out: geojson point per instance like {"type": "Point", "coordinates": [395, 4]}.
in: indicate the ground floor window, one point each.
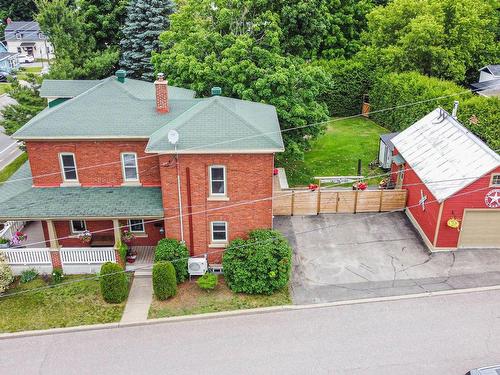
{"type": "Point", "coordinates": [78, 226]}
{"type": "Point", "coordinates": [219, 231]}
{"type": "Point", "coordinates": [136, 225]}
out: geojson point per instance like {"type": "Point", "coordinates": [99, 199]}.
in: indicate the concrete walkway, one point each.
{"type": "Point", "coordinates": [139, 300]}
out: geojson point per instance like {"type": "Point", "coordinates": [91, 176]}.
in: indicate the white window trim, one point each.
{"type": "Point", "coordinates": [212, 194]}
{"type": "Point", "coordinates": [214, 241]}
{"type": "Point", "coordinates": [61, 154]}
{"type": "Point", "coordinates": [137, 231]}
{"type": "Point", "coordinates": [125, 179]}
{"type": "Point", "coordinates": [491, 180]}
{"type": "Point", "coordinates": [73, 231]}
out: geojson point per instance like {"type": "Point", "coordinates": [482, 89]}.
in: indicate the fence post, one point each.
{"type": "Point", "coordinates": [319, 201]}
{"type": "Point", "coordinates": [356, 200]}
{"type": "Point", "coordinates": [293, 202]}
{"type": "Point", "coordinates": [381, 198]}
{"type": "Point", "coordinates": [55, 256]}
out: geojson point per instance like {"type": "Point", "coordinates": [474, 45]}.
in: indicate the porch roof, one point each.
{"type": "Point", "coordinates": [19, 200]}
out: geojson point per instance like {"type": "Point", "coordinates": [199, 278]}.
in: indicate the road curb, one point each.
{"type": "Point", "coordinates": [235, 313]}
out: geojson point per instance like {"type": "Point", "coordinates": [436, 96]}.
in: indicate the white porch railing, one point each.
{"type": "Point", "coordinates": [10, 228]}
{"type": "Point", "coordinates": [87, 255]}
{"type": "Point", "coordinates": [31, 256]}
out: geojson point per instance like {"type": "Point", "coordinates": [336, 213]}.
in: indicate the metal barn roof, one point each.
{"type": "Point", "coordinates": [444, 154]}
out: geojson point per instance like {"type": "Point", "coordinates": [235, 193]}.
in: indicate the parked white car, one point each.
{"type": "Point", "coordinates": [25, 58]}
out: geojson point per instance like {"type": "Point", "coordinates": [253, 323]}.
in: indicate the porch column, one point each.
{"type": "Point", "coordinates": [54, 245]}
{"type": "Point", "coordinates": [118, 241]}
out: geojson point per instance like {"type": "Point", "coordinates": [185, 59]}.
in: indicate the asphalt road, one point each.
{"type": "Point", "coordinates": [8, 149]}
{"type": "Point", "coordinates": [433, 335]}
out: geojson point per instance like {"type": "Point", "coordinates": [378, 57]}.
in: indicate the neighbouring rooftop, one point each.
{"type": "Point", "coordinates": [445, 155]}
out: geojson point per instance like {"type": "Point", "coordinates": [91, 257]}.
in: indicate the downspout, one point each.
{"type": "Point", "coordinates": [179, 194]}
{"type": "Point", "coordinates": [190, 211]}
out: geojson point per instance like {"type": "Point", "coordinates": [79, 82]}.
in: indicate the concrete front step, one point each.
{"type": "Point", "coordinates": [143, 273]}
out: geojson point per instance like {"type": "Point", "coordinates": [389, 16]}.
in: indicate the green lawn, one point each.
{"type": "Point", "coordinates": [61, 306]}
{"type": "Point", "coordinates": [190, 299]}
{"type": "Point", "coordinates": [336, 152]}
{"type": "Point", "coordinates": [22, 74]}
{"type": "Point", "coordinates": [12, 167]}
{"type": "Point", "coordinates": [4, 87]}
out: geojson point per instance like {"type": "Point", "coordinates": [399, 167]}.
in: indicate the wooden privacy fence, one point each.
{"type": "Point", "coordinates": [86, 255]}
{"type": "Point", "coordinates": [306, 202]}
{"type": "Point", "coordinates": [30, 256]}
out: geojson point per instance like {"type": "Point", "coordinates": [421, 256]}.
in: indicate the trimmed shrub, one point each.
{"type": "Point", "coordinates": [57, 275]}
{"type": "Point", "coordinates": [122, 250]}
{"type": "Point", "coordinates": [164, 280]}
{"type": "Point", "coordinates": [28, 275]}
{"type": "Point", "coordinates": [173, 251]}
{"type": "Point", "coordinates": [259, 265]}
{"type": "Point", "coordinates": [6, 276]}
{"type": "Point", "coordinates": [114, 283]}
{"type": "Point", "coordinates": [208, 281]}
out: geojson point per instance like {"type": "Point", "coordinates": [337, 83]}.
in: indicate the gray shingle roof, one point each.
{"type": "Point", "coordinates": [19, 200]}
{"type": "Point", "coordinates": [494, 69]}
{"type": "Point", "coordinates": [5, 55]}
{"type": "Point", "coordinates": [111, 109]}
{"type": "Point", "coordinates": [30, 30]}
{"type": "Point", "coordinates": [55, 88]}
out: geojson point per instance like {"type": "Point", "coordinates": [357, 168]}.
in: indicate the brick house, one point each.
{"type": "Point", "coordinates": [450, 174]}
{"type": "Point", "coordinates": [100, 159]}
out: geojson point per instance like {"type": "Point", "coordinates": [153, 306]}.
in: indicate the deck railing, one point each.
{"type": "Point", "coordinates": [10, 228]}
{"type": "Point", "coordinates": [31, 256]}
{"type": "Point", "coordinates": [86, 255]}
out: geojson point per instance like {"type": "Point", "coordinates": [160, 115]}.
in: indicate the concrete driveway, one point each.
{"type": "Point", "coordinates": [350, 256]}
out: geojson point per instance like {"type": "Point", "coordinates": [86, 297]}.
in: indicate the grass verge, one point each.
{"type": "Point", "coordinates": [190, 299]}
{"type": "Point", "coordinates": [62, 306]}
{"type": "Point", "coordinates": [336, 152]}
{"type": "Point", "coordinates": [4, 87]}
{"type": "Point", "coordinates": [12, 167]}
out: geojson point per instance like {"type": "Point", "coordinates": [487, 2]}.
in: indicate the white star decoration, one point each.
{"type": "Point", "coordinates": [492, 199]}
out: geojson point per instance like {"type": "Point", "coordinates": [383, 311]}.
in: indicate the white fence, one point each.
{"type": "Point", "coordinates": [23, 259]}
{"type": "Point", "coordinates": [74, 260]}
{"type": "Point", "coordinates": [85, 260]}
{"type": "Point", "coordinates": [10, 228]}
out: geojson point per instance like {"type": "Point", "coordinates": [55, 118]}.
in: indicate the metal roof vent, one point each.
{"type": "Point", "coordinates": [216, 91]}
{"type": "Point", "coordinates": [120, 75]}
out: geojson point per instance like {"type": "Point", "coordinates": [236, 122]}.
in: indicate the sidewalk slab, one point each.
{"type": "Point", "coordinates": [139, 300]}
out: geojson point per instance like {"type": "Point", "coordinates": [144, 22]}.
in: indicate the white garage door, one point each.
{"type": "Point", "coordinates": [480, 229]}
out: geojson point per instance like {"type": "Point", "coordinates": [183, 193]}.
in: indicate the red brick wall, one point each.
{"type": "Point", "coordinates": [455, 206]}
{"type": "Point", "coordinates": [249, 177]}
{"type": "Point", "coordinates": [102, 227]}
{"type": "Point", "coordinates": [427, 218]}
{"type": "Point", "coordinates": [44, 160]}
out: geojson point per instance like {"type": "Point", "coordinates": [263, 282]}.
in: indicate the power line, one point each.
{"type": "Point", "coordinates": [235, 247]}
{"type": "Point", "coordinates": [249, 137]}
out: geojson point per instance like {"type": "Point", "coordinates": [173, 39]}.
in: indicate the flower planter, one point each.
{"type": "Point", "coordinates": [131, 258]}
{"type": "Point", "coordinates": [4, 245]}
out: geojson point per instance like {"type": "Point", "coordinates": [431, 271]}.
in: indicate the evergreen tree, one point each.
{"type": "Point", "coordinates": [146, 20]}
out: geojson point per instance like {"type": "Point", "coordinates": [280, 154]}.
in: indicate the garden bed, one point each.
{"type": "Point", "coordinates": [77, 303]}
{"type": "Point", "coordinates": [336, 152]}
{"type": "Point", "coordinates": [190, 299]}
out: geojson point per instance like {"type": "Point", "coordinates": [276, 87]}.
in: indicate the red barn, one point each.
{"type": "Point", "coordinates": [453, 183]}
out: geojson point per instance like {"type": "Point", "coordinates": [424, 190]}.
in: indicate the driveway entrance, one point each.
{"type": "Point", "coordinates": [350, 256]}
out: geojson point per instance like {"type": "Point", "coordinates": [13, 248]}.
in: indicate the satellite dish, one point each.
{"type": "Point", "coordinates": [173, 136]}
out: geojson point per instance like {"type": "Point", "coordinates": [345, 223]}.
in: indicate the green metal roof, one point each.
{"type": "Point", "coordinates": [111, 109]}
{"type": "Point", "coordinates": [58, 88]}
{"type": "Point", "coordinates": [220, 123]}
{"type": "Point", "coordinates": [19, 200]}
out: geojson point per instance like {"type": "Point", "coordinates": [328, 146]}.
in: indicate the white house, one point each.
{"type": "Point", "coordinates": [489, 81]}
{"type": "Point", "coordinates": [26, 37]}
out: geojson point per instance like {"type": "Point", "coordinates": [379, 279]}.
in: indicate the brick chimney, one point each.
{"type": "Point", "coordinates": [161, 87]}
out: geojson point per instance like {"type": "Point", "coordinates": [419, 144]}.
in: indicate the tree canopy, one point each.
{"type": "Point", "coordinates": [448, 39]}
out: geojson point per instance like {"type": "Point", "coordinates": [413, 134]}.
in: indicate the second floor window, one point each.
{"type": "Point", "coordinates": [217, 180]}
{"type": "Point", "coordinates": [129, 164]}
{"type": "Point", "coordinates": [68, 166]}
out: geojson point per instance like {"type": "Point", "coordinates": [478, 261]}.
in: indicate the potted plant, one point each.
{"type": "Point", "coordinates": [131, 255]}
{"type": "Point", "coordinates": [127, 235]}
{"type": "Point", "coordinates": [4, 243]}
{"type": "Point", "coordinates": [85, 236]}
{"type": "Point", "coordinates": [17, 238]}
{"type": "Point", "coordinates": [359, 186]}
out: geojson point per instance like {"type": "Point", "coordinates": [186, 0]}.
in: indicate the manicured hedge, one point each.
{"type": "Point", "coordinates": [114, 283]}
{"type": "Point", "coordinates": [164, 280]}
{"type": "Point", "coordinates": [175, 252]}
{"type": "Point", "coordinates": [259, 265]}
{"type": "Point", "coordinates": [395, 89]}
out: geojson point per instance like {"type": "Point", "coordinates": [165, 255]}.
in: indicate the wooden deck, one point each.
{"type": "Point", "coordinates": [145, 255]}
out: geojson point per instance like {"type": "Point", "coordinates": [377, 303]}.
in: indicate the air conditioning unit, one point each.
{"type": "Point", "coordinates": [197, 266]}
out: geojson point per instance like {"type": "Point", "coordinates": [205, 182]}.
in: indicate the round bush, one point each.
{"type": "Point", "coordinates": [164, 280]}
{"type": "Point", "coordinates": [114, 283]}
{"type": "Point", "coordinates": [6, 276]}
{"type": "Point", "coordinates": [208, 281]}
{"type": "Point", "coordinates": [259, 265]}
{"type": "Point", "coordinates": [172, 250]}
